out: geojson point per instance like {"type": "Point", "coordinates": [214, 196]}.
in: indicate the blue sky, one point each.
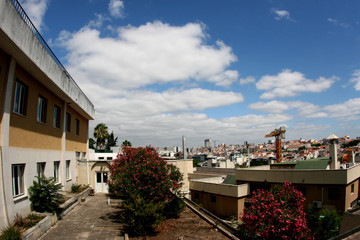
{"type": "Point", "coordinates": [231, 71]}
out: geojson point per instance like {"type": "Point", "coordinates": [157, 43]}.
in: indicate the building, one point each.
{"type": "Point", "coordinates": [44, 114]}
{"type": "Point", "coordinates": [207, 143]}
{"type": "Point", "coordinates": [323, 181]}
{"type": "Point", "coordinates": [94, 170]}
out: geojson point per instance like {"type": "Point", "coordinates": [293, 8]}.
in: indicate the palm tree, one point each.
{"type": "Point", "coordinates": [101, 134]}
{"type": "Point", "coordinates": [126, 143]}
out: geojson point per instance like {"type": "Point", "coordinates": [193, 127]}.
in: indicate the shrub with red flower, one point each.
{"type": "Point", "coordinates": [275, 214]}
{"type": "Point", "coordinates": [140, 171]}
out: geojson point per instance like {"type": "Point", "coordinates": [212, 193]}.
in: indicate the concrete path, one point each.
{"type": "Point", "coordinates": [92, 219]}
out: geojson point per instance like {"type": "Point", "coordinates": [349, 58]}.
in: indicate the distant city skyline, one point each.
{"type": "Point", "coordinates": [229, 71]}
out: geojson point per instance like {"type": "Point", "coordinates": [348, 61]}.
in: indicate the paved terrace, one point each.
{"type": "Point", "coordinates": [92, 219]}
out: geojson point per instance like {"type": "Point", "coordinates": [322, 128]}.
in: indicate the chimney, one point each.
{"type": "Point", "coordinates": [353, 157]}
{"type": "Point", "coordinates": [333, 139]}
{"type": "Point", "coordinates": [184, 147]}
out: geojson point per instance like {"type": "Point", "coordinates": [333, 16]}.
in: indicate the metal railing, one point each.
{"type": "Point", "coordinates": [37, 34]}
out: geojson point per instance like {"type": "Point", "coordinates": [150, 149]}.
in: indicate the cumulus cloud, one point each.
{"type": "Point", "coordinates": [356, 79]}
{"type": "Point", "coordinates": [289, 84]}
{"type": "Point", "coordinates": [35, 9]}
{"type": "Point", "coordinates": [152, 53]}
{"type": "Point", "coordinates": [346, 111]}
{"type": "Point", "coordinates": [247, 80]}
{"type": "Point", "coordinates": [281, 14]}
{"type": "Point", "coordinates": [116, 8]}
{"type": "Point", "coordinates": [338, 23]}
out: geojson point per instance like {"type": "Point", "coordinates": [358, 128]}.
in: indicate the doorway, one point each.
{"type": "Point", "coordinates": [101, 179]}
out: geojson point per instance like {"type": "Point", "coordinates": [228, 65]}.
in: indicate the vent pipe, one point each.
{"type": "Point", "coordinates": [333, 140]}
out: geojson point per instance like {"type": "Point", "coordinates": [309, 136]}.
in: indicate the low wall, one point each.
{"type": "Point", "coordinates": [45, 224]}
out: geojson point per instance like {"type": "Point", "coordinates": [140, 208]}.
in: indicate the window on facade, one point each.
{"type": "Point", "coordinates": [18, 179]}
{"type": "Point", "coordinates": [57, 171]}
{"type": "Point", "coordinates": [352, 188]}
{"type": "Point", "coordinates": [68, 122]}
{"type": "Point", "coordinates": [57, 116]}
{"type": "Point", "coordinates": [77, 155]}
{"type": "Point", "coordinates": [77, 126]}
{"type": "Point", "coordinates": [68, 169]}
{"type": "Point", "coordinates": [196, 196]}
{"type": "Point", "coordinates": [20, 98]}
{"type": "Point", "coordinates": [40, 169]}
{"type": "Point", "coordinates": [100, 158]}
{"type": "Point", "coordinates": [333, 194]}
{"type": "Point", "coordinates": [83, 155]}
{"type": "Point", "coordinates": [109, 158]}
{"type": "Point", "coordinates": [213, 199]}
{"type": "Point", "coordinates": [41, 111]}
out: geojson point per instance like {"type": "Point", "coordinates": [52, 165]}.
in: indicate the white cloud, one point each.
{"type": "Point", "coordinates": [289, 84]}
{"type": "Point", "coordinates": [271, 107]}
{"type": "Point", "coordinates": [247, 80]}
{"type": "Point", "coordinates": [281, 14]}
{"type": "Point", "coordinates": [116, 8]}
{"type": "Point", "coordinates": [356, 79]}
{"type": "Point", "coordinates": [338, 23]}
{"type": "Point", "coordinates": [346, 111]}
{"type": "Point", "coordinates": [35, 9]}
{"type": "Point", "coordinates": [152, 53]}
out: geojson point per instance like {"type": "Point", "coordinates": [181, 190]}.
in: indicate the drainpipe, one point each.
{"type": "Point", "coordinates": [87, 171]}
{"type": "Point", "coordinates": [5, 132]}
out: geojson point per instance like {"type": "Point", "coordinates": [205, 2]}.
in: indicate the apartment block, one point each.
{"type": "Point", "coordinates": [44, 114]}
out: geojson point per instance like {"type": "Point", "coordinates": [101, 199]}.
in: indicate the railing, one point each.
{"type": "Point", "coordinates": [32, 27]}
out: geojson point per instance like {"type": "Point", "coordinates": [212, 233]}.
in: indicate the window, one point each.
{"type": "Point", "coordinates": [77, 155]}
{"type": "Point", "coordinates": [68, 169]}
{"type": "Point", "coordinates": [20, 98]}
{"type": "Point", "coordinates": [41, 113]}
{"type": "Point", "coordinates": [352, 188]}
{"type": "Point", "coordinates": [77, 126]}
{"type": "Point", "coordinates": [109, 158]}
{"type": "Point", "coordinates": [213, 199]}
{"type": "Point", "coordinates": [83, 155]}
{"type": "Point", "coordinates": [100, 158]}
{"type": "Point", "coordinates": [68, 122]}
{"type": "Point", "coordinates": [56, 171]}
{"type": "Point", "coordinates": [40, 169]}
{"type": "Point", "coordinates": [57, 115]}
{"type": "Point", "coordinates": [18, 179]}
{"type": "Point", "coordinates": [333, 194]}
{"type": "Point", "coordinates": [196, 196]}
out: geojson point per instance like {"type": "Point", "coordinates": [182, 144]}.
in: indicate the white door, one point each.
{"type": "Point", "coordinates": [101, 179]}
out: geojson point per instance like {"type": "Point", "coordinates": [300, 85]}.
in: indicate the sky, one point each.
{"type": "Point", "coordinates": [230, 71]}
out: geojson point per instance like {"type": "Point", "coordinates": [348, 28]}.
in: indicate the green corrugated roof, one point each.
{"type": "Point", "coordinates": [230, 179]}
{"type": "Point", "coordinates": [318, 163]}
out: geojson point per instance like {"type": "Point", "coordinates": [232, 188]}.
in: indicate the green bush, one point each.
{"type": "Point", "coordinates": [10, 233]}
{"type": "Point", "coordinates": [174, 207]}
{"type": "Point", "coordinates": [142, 216]}
{"type": "Point", "coordinates": [45, 196]}
{"type": "Point", "coordinates": [75, 187]}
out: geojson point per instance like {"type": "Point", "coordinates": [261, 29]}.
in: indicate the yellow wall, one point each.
{"type": "Point", "coordinates": [26, 131]}
{"type": "Point", "coordinates": [350, 197]}
{"type": "Point", "coordinates": [75, 142]}
{"type": "Point", "coordinates": [3, 70]}
{"type": "Point", "coordinates": [224, 207]}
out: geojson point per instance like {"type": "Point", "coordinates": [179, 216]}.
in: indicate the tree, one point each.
{"type": "Point", "coordinates": [101, 134]}
{"type": "Point", "coordinates": [45, 195]}
{"type": "Point", "coordinates": [91, 143]}
{"type": "Point", "coordinates": [126, 143]}
{"type": "Point", "coordinates": [325, 223]}
{"type": "Point", "coordinates": [148, 185]}
{"type": "Point", "coordinates": [140, 171]}
{"type": "Point", "coordinates": [275, 214]}
{"type": "Point", "coordinates": [111, 141]}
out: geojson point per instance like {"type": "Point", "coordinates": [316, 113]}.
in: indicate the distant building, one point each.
{"type": "Point", "coordinates": [207, 143]}
{"type": "Point", "coordinates": [44, 114]}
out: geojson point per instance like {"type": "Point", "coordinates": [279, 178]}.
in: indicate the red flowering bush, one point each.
{"type": "Point", "coordinates": [140, 171]}
{"type": "Point", "coordinates": [148, 184]}
{"type": "Point", "coordinates": [275, 214]}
